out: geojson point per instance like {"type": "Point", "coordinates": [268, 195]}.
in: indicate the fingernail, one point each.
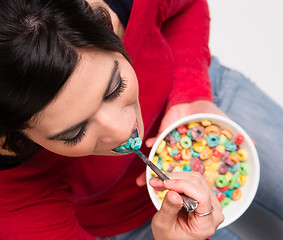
{"type": "Point", "coordinates": [153, 180]}
{"type": "Point", "coordinates": [169, 181]}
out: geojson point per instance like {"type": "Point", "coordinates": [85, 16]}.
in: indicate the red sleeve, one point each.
{"type": "Point", "coordinates": [187, 32]}
{"type": "Point", "coordinates": [36, 205]}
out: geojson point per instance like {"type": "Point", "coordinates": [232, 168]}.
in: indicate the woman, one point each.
{"type": "Point", "coordinates": [70, 94]}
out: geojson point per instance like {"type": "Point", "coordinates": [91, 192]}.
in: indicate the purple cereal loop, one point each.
{"type": "Point", "coordinates": [170, 140]}
{"type": "Point", "coordinates": [229, 162]}
{"type": "Point", "coordinates": [202, 168]}
{"type": "Point", "coordinates": [223, 168]}
{"type": "Point", "coordinates": [198, 132]}
{"type": "Point", "coordinates": [225, 155]}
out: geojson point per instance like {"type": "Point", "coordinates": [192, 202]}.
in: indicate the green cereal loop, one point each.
{"type": "Point", "coordinates": [176, 135]}
{"type": "Point", "coordinates": [221, 181]}
{"type": "Point", "coordinates": [173, 152]}
{"type": "Point", "coordinates": [222, 139]}
{"type": "Point", "coordinates": [177, 169]}
{"type": "Point", "coordinates": [186, 142]}
{"type": "Point", "coordinates": [234, 180]}
{"type": "Point", "coordinates": [244, 169]}
{"type": "Point", "coordinates": [225, 202]}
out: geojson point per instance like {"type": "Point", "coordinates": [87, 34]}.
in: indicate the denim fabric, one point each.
{"type": "Point", "coordinates": [142, 233]}
{"type": "Point", "coordinates": [262, 119]}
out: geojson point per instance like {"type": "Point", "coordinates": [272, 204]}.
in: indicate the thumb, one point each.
{"type": "Point", "coordinates": [170, 208]}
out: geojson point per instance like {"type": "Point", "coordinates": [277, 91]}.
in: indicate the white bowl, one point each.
{"type": "Point", "coordinates": [236, 208]}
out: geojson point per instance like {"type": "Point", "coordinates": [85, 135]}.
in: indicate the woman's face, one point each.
{"type": "Point", "coordinates": [96, 111]}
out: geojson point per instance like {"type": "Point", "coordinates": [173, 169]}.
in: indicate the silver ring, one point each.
{"type": "Point", "coordinates": [205, 214]}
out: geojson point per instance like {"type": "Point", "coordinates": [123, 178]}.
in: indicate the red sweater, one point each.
{"type": "Point", "coordinates": [55, 197]}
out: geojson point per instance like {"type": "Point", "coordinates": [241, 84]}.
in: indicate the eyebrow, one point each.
{"type": "Point", "coordinates": [78, 126]}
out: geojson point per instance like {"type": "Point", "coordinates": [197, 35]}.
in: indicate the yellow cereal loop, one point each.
{"type": "Point", "coordinates": [165, 166]}
{"type": "Point", "coordinates": [221, 149]}
{"type": "Point", "coordinates": [242, 179]}
{"type": "Point", "coordinates": [155, 160]}
{"type": "Point", "coordinates": [206, 123]}
{"type": "Point", "coordinates": [207, 164]}
{"type": "Point", "coordinates": [168, 149]}
{"type": "Point", "coordinates": [184, 162]}
{"type": "Point", "coordinates": [228, 176]}
{"type": "Point", "coordinates": [153, 174]}
{"type": "Point", "coordinates": [163, 153]}
{"type": "Point", "coordinates": [243, 154]}
{"type": "Point", "coordinates": [161, 147]}
{"type": "Point", "coordinates": [198, 147]}
{"type": "Point", "coordinates": [192, 125]}
{"type": "Point", "coordinates": [202, 141]}
{"type": "Point", "coordinates": [162, 194]}
{"type": "Point", "coordinates": [208, 173]}
{"type": "Point", "coordinates": [167, 158]}
{"type": "Point", "coordinates": [214, 166]}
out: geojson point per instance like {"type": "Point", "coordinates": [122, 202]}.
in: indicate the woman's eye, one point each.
{"type": "Point", "coordinates": [115, 89]}
{"type": "Point", "coordinates": [77, 139]}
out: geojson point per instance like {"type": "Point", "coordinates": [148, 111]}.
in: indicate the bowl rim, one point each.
{"type": "Point", "coordinates": [210, 116]}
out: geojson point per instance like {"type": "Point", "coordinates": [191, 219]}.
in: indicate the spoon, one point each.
{"type": "Point", "coordinates": [132, 146]}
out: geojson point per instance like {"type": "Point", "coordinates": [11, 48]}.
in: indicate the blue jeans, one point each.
{"type": "Point", "coordinates": [262, 119]}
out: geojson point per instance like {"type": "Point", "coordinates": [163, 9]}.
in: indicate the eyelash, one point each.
{"type": "Point", "coordinates": [78, 138]}
{"type": "Point", "coordinates": [117, 92]}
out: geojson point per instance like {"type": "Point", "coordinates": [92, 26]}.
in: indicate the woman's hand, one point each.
{"type": "Point", "coordinates": [172, 222]}
{"type": "Point", "coordinates": [179, 111]}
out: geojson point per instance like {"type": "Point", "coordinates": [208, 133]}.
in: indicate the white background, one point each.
{"type": "Point", "coordinates": [247, 35]}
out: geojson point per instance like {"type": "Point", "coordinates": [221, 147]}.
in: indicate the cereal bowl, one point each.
{"type": "Point", "coordinates": [248, 164]}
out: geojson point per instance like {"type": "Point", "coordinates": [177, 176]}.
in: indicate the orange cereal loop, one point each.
{"type": "Point", "coordinates": [227, 133]}
{"type": "Point", "coordinates": [234, 158]}
{"type": "Point", "coordinates": [211, 129]}
{"type": "Point", "coordinates": [186, 154]}
{"type": "Point", "coordinates": [192, 124]}
{"type": "Point", "coordinates": [237, 194]}
{"type": "Point", "coordinates": [206, 123]}
{"type": "Point", "coordinates": [207, 153]}
{"type": "Point", "coordinates": [179, 146]}
{"type": "Point", "coordinates": [215, 159]}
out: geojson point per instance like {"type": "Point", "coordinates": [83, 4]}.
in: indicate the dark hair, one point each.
{"type": "Point", "coordinates": [39, 43]}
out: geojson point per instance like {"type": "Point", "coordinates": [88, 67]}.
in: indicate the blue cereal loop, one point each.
{"type": "Point", "coordinates": [230, 146]}
{"type": "Point", "coordinates": [136, 144]}
{"type": "Point", "coordinates": [119, 148]}
{"type": "Point", "coordinates": [187, 168]}
{"type": "Point", "coordinates": [189, 134]}
{"type": "Point", "coordinates": [194, 154]}
{"type": "Point", "coordinates": [176, 135]}
{"type": "Point", "coordinates": [173, 152]}
{"type": "Point", "coordinates": [212, 140]}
